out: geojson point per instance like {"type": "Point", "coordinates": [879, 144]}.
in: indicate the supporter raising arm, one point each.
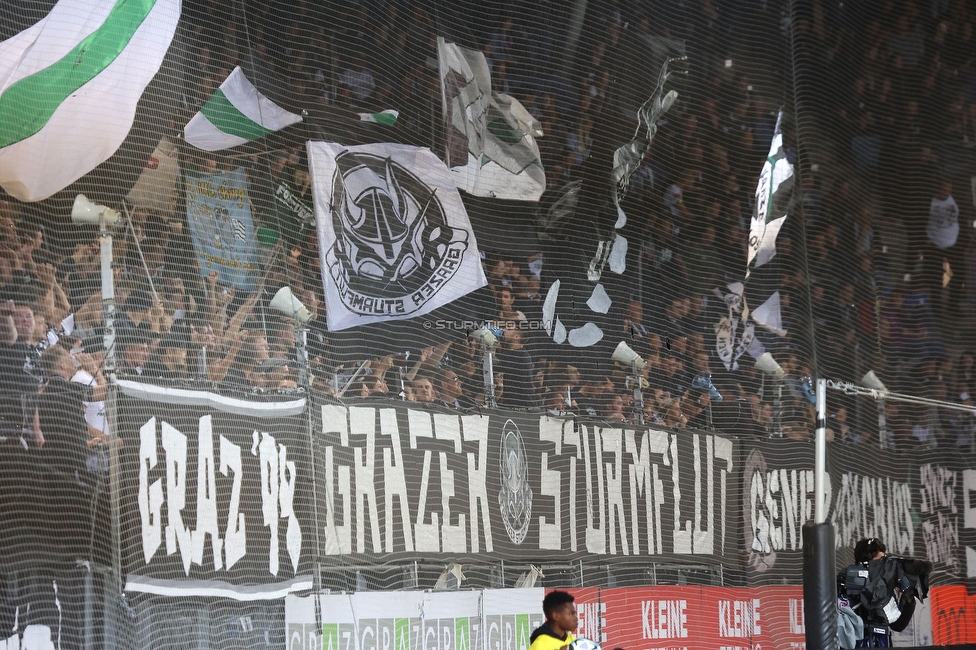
{"type": "Point", "coordinates": [217, 371]}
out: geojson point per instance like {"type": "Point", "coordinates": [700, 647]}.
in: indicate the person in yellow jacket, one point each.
{"type": "Point", "coordinates": [561, 621]}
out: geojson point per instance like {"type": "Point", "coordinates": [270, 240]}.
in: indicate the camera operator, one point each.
{"type": "Point", "coordinates": [882, 590]}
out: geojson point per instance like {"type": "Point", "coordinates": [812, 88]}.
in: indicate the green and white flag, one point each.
{"type": "Point", "coordinates": [234, 115]}
{"type": "Point", "coordinates": [386, 118]}
{"type": "Point", "coordinates": [69, 87]}
{"type": "Point", "coordinates": [772, 201]}
{"type": "Point", "coordinates": [491, 138]}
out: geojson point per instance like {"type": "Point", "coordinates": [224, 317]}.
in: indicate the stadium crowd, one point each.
{"type": "Point", "coordinates": [879, 90]}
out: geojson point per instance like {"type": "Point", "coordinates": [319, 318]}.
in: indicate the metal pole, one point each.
{"type": "Point", "coordinates": [820, 512]}
{"type": "Point", "coordinates": [883, 439]}
{"type": "Point", "coordinates": [114, 583]}
{"type": "Point", "coordinates": [108, 300]}
{"type": "Point", "coordinates": [777, 429]}
{"type": "Point", "coordinates": [301, 336]}
{"type": "Point", "coordinates": [89, 625]}
{"type": "Point", "coordinates": [135, 240]}
{"type": "Point", "coordinates": [638, 397]}
{"type": "Point", "coordinates": [489, 377]}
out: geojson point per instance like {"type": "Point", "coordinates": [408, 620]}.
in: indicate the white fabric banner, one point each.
{"type": "Point", "coordinates": [395, 239]}
{"type": "Point", "coordinates": [491, 138]}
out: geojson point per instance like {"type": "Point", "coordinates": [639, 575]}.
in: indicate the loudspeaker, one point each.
{"type": "Point", "coordinates": [486, 336]}
{"type": "Point", "coordinates": [870, 380]}
{"type": "Point", "coordinates": [289, 305]}
{"type": "Point", "coordinates": [84, 211]}
{"type": "Point", "coordinates": [767, 364]}
{"type": "Point", "coordinates": [623, 354]}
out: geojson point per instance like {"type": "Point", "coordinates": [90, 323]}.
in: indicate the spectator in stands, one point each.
{"type": "Point", "coordinates": [275, 373]}
{"type": "Point", "coordinates": [449, 390]}
{"type": "Point", "coordinates": [633, 324]}
{"type": "Point", "coordinates": [423, 390]}
{"type": "Point", "coordinates": [142, 312]}
{"type": "Point", "coordinates": [62, 413]}
{"type": "Point", "coordinates": [88, 373]}
{"type": "Point", "coordinates": [358, 78]}
{"type": "Point", "coordinates": [170, 361]}
{"type": "Point", "coordinates": [134, 351]}
{"type": "Point", "coordinates": [514, 362]}
{"type": "Point", "coordinates": [943, 256]}
{"type": "Point", "coordinates": [506, 302]}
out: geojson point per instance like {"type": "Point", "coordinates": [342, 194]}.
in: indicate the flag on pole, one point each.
{"type": "Point", "coordinates": [491, 138]}
{"type": "Point", "coordinates": [156, 187]}
{"type": "Point", "coordinates": [234, 115]}
{"type": "Point", "coordinates": [69, 87]}
{"type": "Point", "coordinates": [386, 118]}
{"type": "Point", "coordinates": [772, 201]}
{"type": "Point", "coordinates": [395, 241]}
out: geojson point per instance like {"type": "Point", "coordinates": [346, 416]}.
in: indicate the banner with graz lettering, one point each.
{"type": "Point", "coordinates": [919, 502]}
{"type": "Point", "coordinates": [396, 482]}
{"type": "Point", "coordinates": [216, 494]}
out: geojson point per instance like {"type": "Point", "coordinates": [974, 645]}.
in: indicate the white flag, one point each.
{"type": "Point", "coordinates": [69, 87]}
{"type": "Point", "coordinates": [769, 315]}
{"type": "Point", "coordinates": [395, 241]}
{"type": "Point", "coordinates": [491, 138]}
{"type": "Point", "coordinates": [156, 187]}
{"type": "Point", "coordinates": [234, 115]}
{"type": "Point", "coordinates": [772, 200]}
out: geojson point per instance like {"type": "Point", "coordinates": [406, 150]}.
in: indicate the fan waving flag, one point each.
{"type": "Point", "coordinates": [236, 114]}
{"type": "Point", "coordinates": [69, 87]}
{"type": "Point", "coordinates": [772, 201]}
{"type": "Point", "coordinates": [491, 138]}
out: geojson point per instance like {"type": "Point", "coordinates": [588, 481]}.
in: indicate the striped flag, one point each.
{"type": "Point", "coordinates": [69, 87]}
{"type": "Point", "coordinates": [234, 115]}
{"type": "Point", "coordinates": [386, 118]}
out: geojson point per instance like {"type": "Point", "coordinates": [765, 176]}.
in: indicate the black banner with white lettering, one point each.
{"type": "Point", "coordinates": [920, 503]}
{"type": "Point", "coordinates": [399, 482]}
{"type": "Point", "coordinates": [216, 494]}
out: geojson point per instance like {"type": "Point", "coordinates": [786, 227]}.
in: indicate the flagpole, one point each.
{"type": "Point", "coordinates": [128, 219]}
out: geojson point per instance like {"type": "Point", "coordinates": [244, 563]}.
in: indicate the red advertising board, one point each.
{"type": "Point", "coordinates": [716, 618]}
{"type": "Point", "coordinates": [953, 615]}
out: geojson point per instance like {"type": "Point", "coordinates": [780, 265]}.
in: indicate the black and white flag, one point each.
{"type": "Point", "coordinates": [772, 201]}
{"type": "Point", "coordinates": [395, 240]}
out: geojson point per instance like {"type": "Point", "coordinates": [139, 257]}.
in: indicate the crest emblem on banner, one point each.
{"type": "Point", "coordinates": [758, 529]}
{"type": "Point", "coordinates": [515, 496]}
{"type": "Point", "coordinates": [392, 236]}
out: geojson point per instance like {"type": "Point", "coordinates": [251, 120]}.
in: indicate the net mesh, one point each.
{"type": "Point", "coordinates": [318, 217]}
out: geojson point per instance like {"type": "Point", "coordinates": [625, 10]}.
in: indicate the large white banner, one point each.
{"type": "Point", "coordinates": [493, 619]}
{"type": "Point", "coordinates": [395, 240]}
